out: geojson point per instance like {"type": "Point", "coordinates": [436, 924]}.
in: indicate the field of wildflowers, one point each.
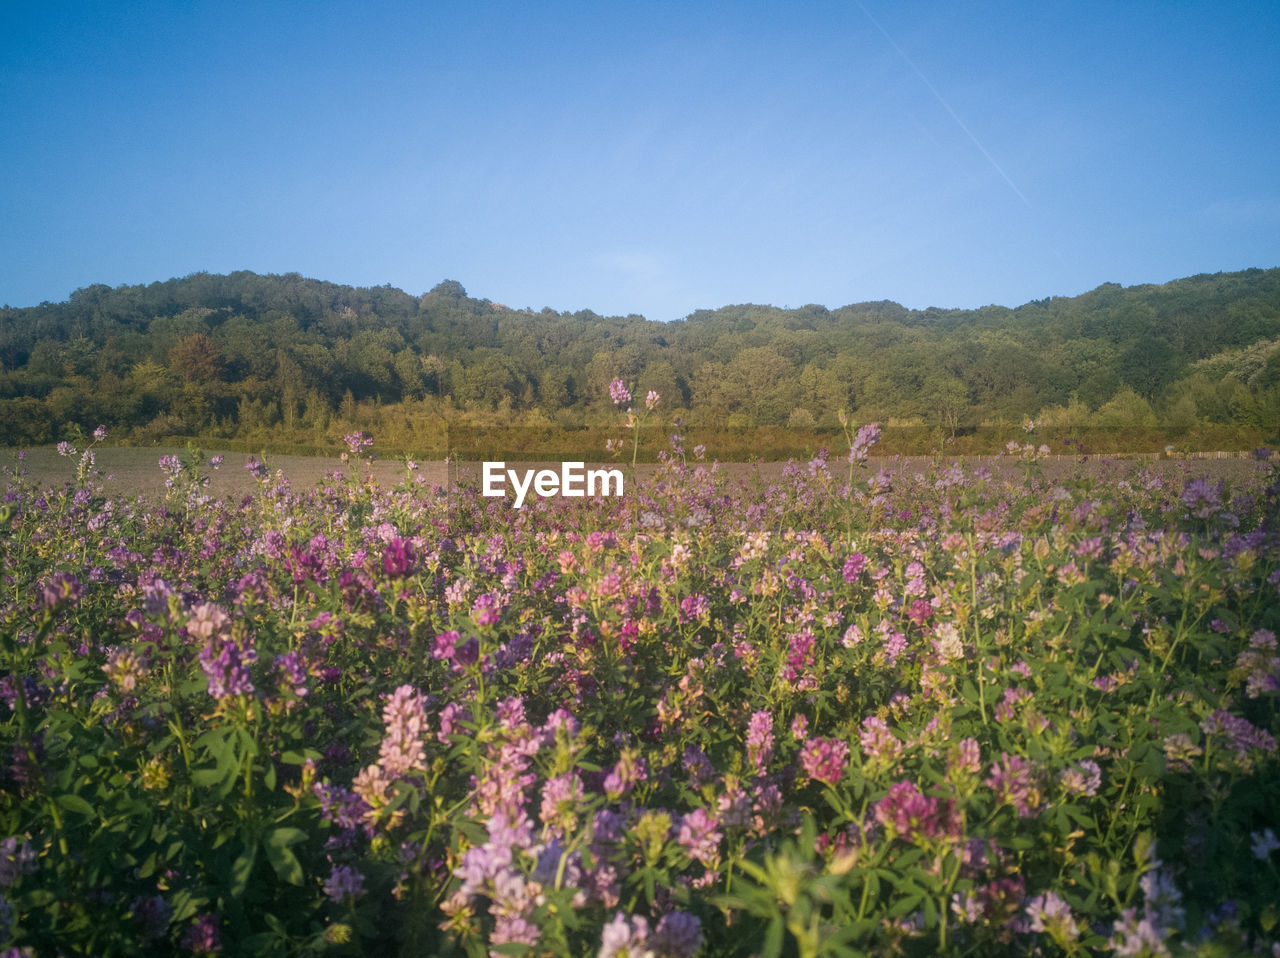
{"type": "Point", "coordinates": [842, 713]}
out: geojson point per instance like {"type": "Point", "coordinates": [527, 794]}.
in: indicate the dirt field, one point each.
{"type": "Point", "coordinates": [132, 471]}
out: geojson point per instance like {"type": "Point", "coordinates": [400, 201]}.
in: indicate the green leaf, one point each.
{"type": "Point", "coordinates": [40, 898]}
{"type": "Point", "coordinates": [242, 868]}
{"type": "Point", "coordinates": [511, 948]}
{"type": "Point", "coordinates": [74, 803]}
{"type": "Point", "coordinates": [282, 859]}
{"type": "Point", "coordinates": [208, 777]}
{"type": "Point", "coordinates": [286, 864]}
{"type": "Point", "coordinates": [285, 836]}
{"type": "Point", "coordinates": [773, 938]}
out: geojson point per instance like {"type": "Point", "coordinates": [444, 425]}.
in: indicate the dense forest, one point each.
{"type": "Point", "coordinates": [283, 360]}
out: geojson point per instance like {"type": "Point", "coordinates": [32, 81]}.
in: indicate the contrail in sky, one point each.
{"type": "Point", "coordinates": [946, 106]}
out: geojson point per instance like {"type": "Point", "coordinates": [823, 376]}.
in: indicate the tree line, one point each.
{"type": "Point", "coordinates": [285, 359]}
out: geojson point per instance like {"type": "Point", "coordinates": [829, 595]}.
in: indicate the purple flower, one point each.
{"type": "Point", "coordinates": [446, 645]}
{"type": "Point", "coordinates": [1201, 497]}
{"type": "Point", "coordinates": [1011, 780]}
{"type": "Point", "coordinates": [694, 608]}
{"type": "Point", "coordinates": [358, 442]}
{"type": "Point", "coordinates": [486, 610]}
{"type": "Point", "coordinates": [619, 392]}
{"type": "Point", "coordinates": [399, 558]}
{"type": "Point", "coordinates": [294, 672]}
{"type": "Point", "coordinates": [853, 567]}
{"type": "Point", "coordinates": [154, 914]}
{"type": "Point", "coordinates": [1240, 734]}
{"type": "Point", "coordinates": [630, 770]}
{"type": "Point", "coordinates": [100, 434]}
{"type": "Point", "coordinates": [678, 935]}
{"type": "Point", "coordinates": [1134, 936]}
{"type": "Point", "coordinates": [15, 860]}
{"type": "Point", "coordinates": [468, 653]}
{"type": "Point", "coordinates": [698, 766]}
{"type": "Point", "coordinates": [339, 805]}
{"type": "Point", "coordinates": [202, 937]}
{"type": "Point", "coordinates": [343, 883]}
{"type": "Point", "coordinates": [866, 437]}
{"type": "Point", "coordinates": [225, 661]}
{"type": "Point", "coordinates": [58, 590]}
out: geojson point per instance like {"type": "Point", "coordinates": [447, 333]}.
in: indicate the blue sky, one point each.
{"type": "Point", "coordinates": [650, 158]}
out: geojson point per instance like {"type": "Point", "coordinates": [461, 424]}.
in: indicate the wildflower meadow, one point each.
{"type": "Point", "coordinates": [849, 712]}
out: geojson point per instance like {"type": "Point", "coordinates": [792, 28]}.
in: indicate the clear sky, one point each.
{"type": "Point", "coordinates": [651, 157]}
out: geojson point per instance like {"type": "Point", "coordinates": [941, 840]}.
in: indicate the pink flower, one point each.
{"type": "Point", "coordinates": [405, 717]}
{"type": "Point", "coordinates": [913, 816]}
{"type": "Point", "coordinates": [760, 741]}
{"type": "Point", "coordinates": [823, 759]}
{"type": "Point", "coordinates": [700, 836]}
{"type": "Point", "coordinates": [878, 741]}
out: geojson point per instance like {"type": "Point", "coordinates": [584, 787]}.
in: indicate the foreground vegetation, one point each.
{"type": "Point", "coordinates": [838, 714]}
{"type": "Point", "coordinates": [286, 362]}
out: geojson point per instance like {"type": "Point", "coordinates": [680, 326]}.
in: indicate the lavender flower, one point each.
{"type": "Point", "coordinates": [1263, 844]}
{"type": "Point", "coordinates": [1083, 778]}
{"type": "Point", "coordinates": [226, 663]}
{"type": "Point", "coordinates": [625, 938]}
{"type": "Point", "coordinates": [619, 392]}
{"type": "Point", "coordinates": [343, 884]}
{"type": "Point", "coordinates": [1049, 913]}
{"type": "Point", "coordinates": [358, 442]}
{"type": "Point", "coordinates": [866, 437]}
{"type": "Point", "coordinates": [700, 836]}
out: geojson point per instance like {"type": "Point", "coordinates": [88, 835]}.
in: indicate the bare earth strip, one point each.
{"type": "Point", "coordinates": [135, 471]}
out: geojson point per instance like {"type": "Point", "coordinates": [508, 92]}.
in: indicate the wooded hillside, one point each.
{"type": "Point", "coordinates": [287, 359]}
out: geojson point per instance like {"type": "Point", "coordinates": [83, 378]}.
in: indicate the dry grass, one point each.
{"type": "Point", "coordinates": [128, 471]}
